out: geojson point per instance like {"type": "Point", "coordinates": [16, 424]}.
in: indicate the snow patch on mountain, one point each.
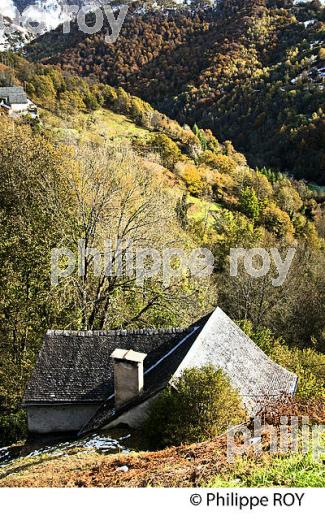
{"type": "Point", "coordinates": [40, 16]}
{"type": "Point", "coordinates": [49, 13]}
{"type": "Point", "coordinates": [13, 37]}
{"type": "Point", "coordinates": [21, 21]}
{"type": "Point", "coordinates": [8, 8]}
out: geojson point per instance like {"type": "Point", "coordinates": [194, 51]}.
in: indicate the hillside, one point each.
{"type": "Point", "coordinates": [99, 156]}
{"type": "Point", "coordinates": [252, 71]}
{"type": "Point", "coordinates": [88, 463]}
{"type": "Point", "coordinates": [198, 136]}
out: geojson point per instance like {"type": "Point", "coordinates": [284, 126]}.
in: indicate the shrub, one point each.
{"type": "Point", "coordinates": [71, 102]}
{"type": "Point", "coordinates": [289, 200]}
{"type": "Point", "coordinates": [199, 405]}
{"type": "Point", "coordinates": [261, 185]}
{"type": "Point", "coordinates": [321, 53]}
{"type": "Point", "coordinates": [42, 87]}
{"type": "Point", "coordinates": [306, 364]}
{"type": "Point", "coordinates": [168, 150]}
{"type": "Point", "coordinates": [277, 221]}
{"type": "Point", "coordinates": [193, 177]}
{"type": "Point", "coordinates": [13, 427]}
{"type": "Point", "coordinates": [222, 163]}
{"type": "Point", "coordinates": [249, 202]}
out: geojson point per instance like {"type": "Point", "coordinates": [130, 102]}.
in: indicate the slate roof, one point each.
{"type": "Point", "coordinates": [157, 374]}
{"type": "Point", "coordinates": [75, 367]}
{"type": "Point", "coordinates": [222, 343]}
{"type": "Point", "coordinates": [13, 95]}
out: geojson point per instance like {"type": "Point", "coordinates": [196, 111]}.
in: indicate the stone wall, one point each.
{"type": "Point", "coordinates": [59, 418]}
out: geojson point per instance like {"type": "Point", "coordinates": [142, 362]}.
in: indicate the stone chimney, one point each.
{"type": "Point", "coordinates": [128, 375]}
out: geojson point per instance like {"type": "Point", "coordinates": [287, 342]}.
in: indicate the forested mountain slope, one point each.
{"type": "Point", "coordinates": [99, 157]}
{"type": "Point", "coordinates": [251, 70]}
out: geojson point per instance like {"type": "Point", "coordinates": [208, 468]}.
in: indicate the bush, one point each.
{"type": "Point", "coordinates": [277, 221]}
{"type": "Point", "coordinates": [223, 164]}
{"type": "Point", "coordinates": [250, 204]}
{"type": "Point", "coordinates": [199, 405]}
{"type": "Point", "coordinates": [307, 364]}
{"type": "Point", "coordinates": [168, 150]}
{"type": "Point", "coordinates": [289, 200]}
{"type": "Point", "coordinates": [193, 177]}
{"type": "Point", "coordinates": [13, 427]}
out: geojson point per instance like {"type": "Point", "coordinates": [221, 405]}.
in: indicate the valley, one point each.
{"type": "Point", "coordinates": [250, 71]}
{"type": "Point", "coordinates": [201, 128]}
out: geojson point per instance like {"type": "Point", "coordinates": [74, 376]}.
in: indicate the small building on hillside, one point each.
{"type": "Point", "coordinates": [16, 103]}
{"type": "Point", "coordinates": [88, 380]}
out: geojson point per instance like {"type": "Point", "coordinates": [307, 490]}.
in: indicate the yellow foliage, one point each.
{"type": "Point", "coordinates": [277, 221]}
{"type": "Point", "coordinates": [260, 184]}
{"type": "Point", "coordinates": [194, 178]}
{"type": "Point", "coordinates": [289, 199]}
{"type": "Point", "coordinates": [321, 53]}
{"type": "Point", "coordinates": [71, 102]}
{"type": "Point", "coordinates": [219, 162]}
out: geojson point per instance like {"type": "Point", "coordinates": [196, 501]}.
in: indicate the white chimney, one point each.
{"type": "Point", "coordinates": [128, 375]}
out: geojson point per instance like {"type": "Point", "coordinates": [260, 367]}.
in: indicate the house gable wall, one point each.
{"type": "Point", "coordinates": [19, 107]}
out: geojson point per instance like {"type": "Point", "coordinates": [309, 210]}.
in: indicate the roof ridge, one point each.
{"type": "Point", "coordinates": [117, 332]}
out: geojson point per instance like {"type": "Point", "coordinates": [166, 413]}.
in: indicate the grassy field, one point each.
{"type": "Point", "coordinates": [271, 471]}
{"type": "Point", "coordinates": [99, 126]}
{"type": "Point", "coordinates": [202, 210]}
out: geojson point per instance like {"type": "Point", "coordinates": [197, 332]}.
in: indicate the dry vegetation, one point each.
{"type": "Point", "coordinates": [183, 466]}
{"type": "Point", "coordinates": [192, 465]}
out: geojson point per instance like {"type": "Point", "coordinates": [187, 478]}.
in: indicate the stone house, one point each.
{"type": "Point", "coordinates": [16, 103]}
{"type": "Point", "coordinates": [89, 380]}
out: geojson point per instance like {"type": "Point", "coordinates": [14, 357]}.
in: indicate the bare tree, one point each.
{"type": "Point", "coordinates": [119, 203]}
